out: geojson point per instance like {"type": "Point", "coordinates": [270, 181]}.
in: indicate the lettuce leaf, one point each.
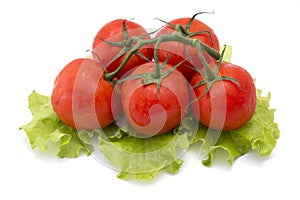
{"type": "Point", "coordinates": [45, 127]}
{"type": "Point", "coordinates": [172, 169]}
{"type": "Point", "coordinates": [144, 158]}
{"type": "Point", "coordinates": [260, 133]}
{"type": "Point", "coordinates": [227, 53]}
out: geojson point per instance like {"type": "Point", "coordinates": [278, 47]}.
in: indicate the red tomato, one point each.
{"type": "Point", "coordinates": [113, 32]}
{"type": "Point", "coordinates": [177, 51]}
{"type": "Point", "coordinates": [81, 97]}
{"type": "Point", "coordinates": [151, 112]}
{"type": "Point", "coordinates": [226, 106]}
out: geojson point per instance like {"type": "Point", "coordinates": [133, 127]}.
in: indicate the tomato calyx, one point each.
{"type": "Point", "coordinates": [211, 76]}
{"type": "Point", "coordinates": [126, 45]}
{"type": "Point", "coordinates": [155, 77]}
{"type": "Point", "coordinates": [185, 30]}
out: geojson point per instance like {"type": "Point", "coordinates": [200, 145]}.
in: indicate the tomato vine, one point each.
{"type": "Point", "coordinates": [133, 44]}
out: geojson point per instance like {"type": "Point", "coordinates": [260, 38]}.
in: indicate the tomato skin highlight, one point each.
{"type": "Point", "coordinates": [177, 51]}
{"type": "Point", "coordinates": [152, 113]}
{"type": "Point", "coordinates": [113, 32]}
{"type": "Point", "coordinates": [81, 97]}
{"type": "Point", "coordinates": [240, 102]}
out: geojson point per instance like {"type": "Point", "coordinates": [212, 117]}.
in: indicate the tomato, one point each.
{"type": "Point", "coordinates": [113, 32]}
{"type": "Point", "coordinates": [228, 105]}
{"type": "Point", "coordinates": [153, 112]}
{"type": "Point", "coordinates": [177, 51]}
{"type": "Point", "coordinates": [81, 97]}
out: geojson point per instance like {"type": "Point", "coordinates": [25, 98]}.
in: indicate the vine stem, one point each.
{"type": "Point", "coordinates": [157, 70]}
{"type": "Point", "coordinates": [209, 73]}
{"type": "Point", "coordinates": [175, 36]}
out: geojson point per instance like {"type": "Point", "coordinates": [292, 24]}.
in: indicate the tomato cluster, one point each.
{"type": "Point", "coordinates": [154, 81]}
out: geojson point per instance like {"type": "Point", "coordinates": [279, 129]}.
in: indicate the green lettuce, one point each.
{"type": "Point", "coordinates": [260, 133]}
{"type": "Point", "coordinates": [227, 53]}
{"type": "Point", "coordinates": [45, 127]}
{"type": "Point", "coordinates": [144, 158]}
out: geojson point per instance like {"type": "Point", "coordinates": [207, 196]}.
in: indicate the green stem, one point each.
{"type": "Point", "coordinates": [175, 36]}
{"type": "Point", "coordinates": [157, 69]}
{"type": "Point", "coordinates": [209, 73]}
{"type": "Point", "coordinates": [110, 76]}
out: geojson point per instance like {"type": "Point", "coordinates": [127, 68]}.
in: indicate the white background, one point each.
{"type": "Point", "coordinates": [38, 38]}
